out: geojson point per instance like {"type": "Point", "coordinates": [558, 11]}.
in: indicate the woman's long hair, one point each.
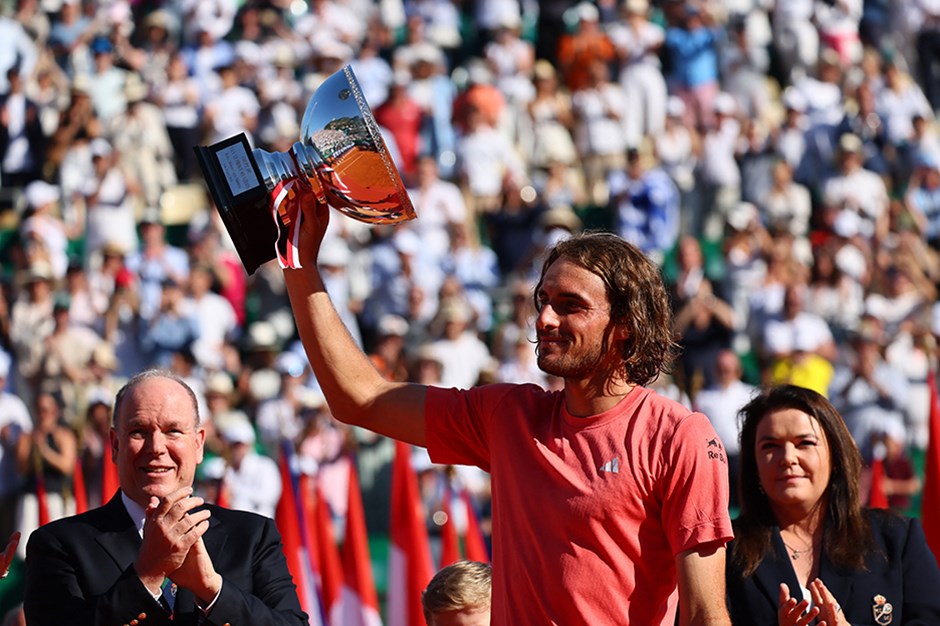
{"type": "Point", "coordinates": [848, 532]}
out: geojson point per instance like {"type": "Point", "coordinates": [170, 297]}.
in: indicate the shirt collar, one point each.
{"type": "Point", "coordinates": [137, 513]}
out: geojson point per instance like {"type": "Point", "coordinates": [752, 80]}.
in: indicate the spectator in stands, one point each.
{"type": "Point", "coordinates": [797, 325]}
{"type": "Point", "coordinates": [550, 118]}
{"type": "Point", "coordinates": [440, 204]}
{"type": "Point", "coordinates": [404, 117]}
{"type": "Point", "coordinates": [638, 41]}
{"type": "Point", "coordinates": [251, 481]}
{"type": "Point", "coordinates": [868, 391]}
{"type": "Point", "coordinates": [156, 261]}
{"type": "Point", "coordinates": [464, 357]}
{"type": "Point", "coordinates": [646, 202]}
{"type": "Point", "coordinates": [172, 327]}
{"type": "Point", "coordinates": [141, 138]}
{"type": "Point", "coordinates": [42, 228]}
{"type": "Point", "coordinates": [692, 46]}
{"type": "Point", "coordinates": [599, 106]}
{"type": "Point", "coordinates": [214, 315]}
{"type": "Point", "coordinates": [110, 196]}
{"type": "Point", "coordinates": [720, 403]}
{"type": "Point", "coordinates": [30, 323]}
{"type": "Point", "coordinates": [233, 110]}
{"type": "Point", "coordinates": [585, 48]}
{"type": "Point", "coordinates": [487, 161]}
{"type": "Point", "coordinates": [857, 190]}
{"type": "Point", "coordinates": [46, 460]}
{"type": "Point", "coordinates": [15, 422]}
{"type": "Point", "coordinates": [22, 142]}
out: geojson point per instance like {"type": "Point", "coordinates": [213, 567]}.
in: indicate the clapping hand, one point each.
{"type": "Point", "coordinates": [170, 530]}
{"type": "Point", "coordinates": [7, 557]}
{"type": "Point", "coordinates": [791, 612]}
{"type": "Point", "coordinates": [830, 613]}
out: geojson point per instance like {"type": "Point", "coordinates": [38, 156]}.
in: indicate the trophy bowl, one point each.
{"type": "Point", "coordinates": [340, 159]}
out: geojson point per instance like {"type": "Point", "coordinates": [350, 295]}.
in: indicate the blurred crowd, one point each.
{"type": "Point", "coordinates": [779, 159]}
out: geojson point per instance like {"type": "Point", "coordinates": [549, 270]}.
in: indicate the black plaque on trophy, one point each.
{"type": "Point", "coordinates": [241, 198]}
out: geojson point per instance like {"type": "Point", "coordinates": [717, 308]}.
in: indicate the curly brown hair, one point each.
{"type": "Point", "coordinates": [638, 299]}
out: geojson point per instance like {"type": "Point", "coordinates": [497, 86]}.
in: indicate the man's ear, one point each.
{"type": "Point", "coordinates": [620, 333]}
{"type": "Point", "coordinates": [113, 436]}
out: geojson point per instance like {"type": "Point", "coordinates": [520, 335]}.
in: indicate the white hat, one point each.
{"type": "Point", "coordinates": [39, 193]}
{"type": "Point", "coordinates": [262, 336]}
{"type": "Point", "coordinates": [637, 6]}
{"type": "Point", "coordinates": [406, 242]}
{"type": "Point", "coordinates": [331, 49]}
{"type": "Point", "coordinates": [239, 431]}
{"type": "Point", "coordinates": [742, 216]}
{"type": "Point", "coordinates": [392, 325]}
{"type": "Point", "coordinates": [310, 399]}
{"type": "Point", "coordinates": [220, 383]}
{"type": "Point", "coordinates": [100, 147]}
{"type": "Point", "coordinates": [675, 107]}
{"type": "Point", "coordinates": [725, 104]}
{"type": "Point", "coordinates": [588, 12]}
{"type": "Point", "coordinates": [426, 52]}
{"type": "Point", "coordinates": [850, 143]}
{"type": "Point", "coordinates": [847, 223]}
{"type": "Point", "coordinates": [334, 252]}
{"type": "Point", "coordinates": [793, 99]}
{"type": "Point", "coordinates": [851, 262]}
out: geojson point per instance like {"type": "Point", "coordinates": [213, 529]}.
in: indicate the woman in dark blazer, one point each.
{"type": "Point", "coordinates": [805, 551]}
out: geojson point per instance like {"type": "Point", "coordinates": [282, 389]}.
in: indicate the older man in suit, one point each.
{"type": "Point", "coordinates": [156, 552]}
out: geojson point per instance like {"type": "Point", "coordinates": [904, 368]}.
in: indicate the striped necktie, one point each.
{"type": "Point", "coordinates": [168, 595]}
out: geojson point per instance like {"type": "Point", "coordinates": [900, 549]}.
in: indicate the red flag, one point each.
{"type": "Point", "coordinates": [930, 501]}
{"type": "Point", "coordinates": [410, 567]}
{"type": "Point", "coordinates": [221, 494]}
{"type": "Point", "coordinates": [79, 492]}
{"type": "Point", "coordinates": [877, 498]}
{"type": "Point", "coordinates": [474, 544]}
{"type": "Point", "coordinates": [41, 501]}
{"type": "Point", "coordinates": [359, 604]}
{"type": "Point", "coordinates": [450, 542]}
{"type": "Point", "coordinates": [287, 517]}
{"type": "Point", "coordinates": [109, 478]}
{"type": "Point", "coordinates": [329, 566]}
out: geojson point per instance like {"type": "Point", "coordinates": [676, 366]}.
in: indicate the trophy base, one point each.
{"type": "Point", "coordinates": [241, 197]}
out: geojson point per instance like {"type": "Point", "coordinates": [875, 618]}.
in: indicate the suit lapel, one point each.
{"type": "Point", "coordinates": [775, 569]}
{"type": "Point", "coordinates": [837, 579]}
{"type": "Point", "coordinates": [119, 538]}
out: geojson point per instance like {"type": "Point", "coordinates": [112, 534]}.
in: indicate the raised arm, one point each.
{"type": "Point", "coordinates": [354, 389]}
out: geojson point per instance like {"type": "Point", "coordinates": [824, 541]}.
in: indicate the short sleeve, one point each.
{"type": "Point", "coordinates": [695, 486]}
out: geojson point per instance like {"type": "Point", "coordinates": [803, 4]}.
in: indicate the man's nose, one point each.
{"type": "Point", "coordinates": [156, 443]}
{"type": "Point", "coordinates": [547, 317]}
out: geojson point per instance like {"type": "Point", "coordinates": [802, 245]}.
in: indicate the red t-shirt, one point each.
{"type": "Point", "coordinates": [588, 513]}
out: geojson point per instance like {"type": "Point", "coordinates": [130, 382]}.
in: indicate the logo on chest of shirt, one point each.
{"type": "Point", "coordinates": [612, 466]}
{"type": "Point", "coordinates": [715, 450]}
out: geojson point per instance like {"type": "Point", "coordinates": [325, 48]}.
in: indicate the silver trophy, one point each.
{"type": "Point", "coordinates": [340, 160]}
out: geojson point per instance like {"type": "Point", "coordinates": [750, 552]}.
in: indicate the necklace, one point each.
{"type": "Point", "coordinates": [794, 553]}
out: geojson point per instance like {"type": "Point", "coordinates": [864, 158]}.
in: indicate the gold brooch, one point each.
{"type": "Point", "coordinates": [882, 610]}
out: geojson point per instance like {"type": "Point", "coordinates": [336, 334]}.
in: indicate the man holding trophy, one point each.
{"type": "Point", "coordinates": [610, 503]}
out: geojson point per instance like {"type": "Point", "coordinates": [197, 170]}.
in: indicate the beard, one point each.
{"type": "Point", "coordinates": [568, 365]}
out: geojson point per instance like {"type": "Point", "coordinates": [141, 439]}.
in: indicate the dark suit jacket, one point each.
{"type": "Point", "coordinates": [906, 574]}
{"type": "Point", "coordinates": [79, 571]}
